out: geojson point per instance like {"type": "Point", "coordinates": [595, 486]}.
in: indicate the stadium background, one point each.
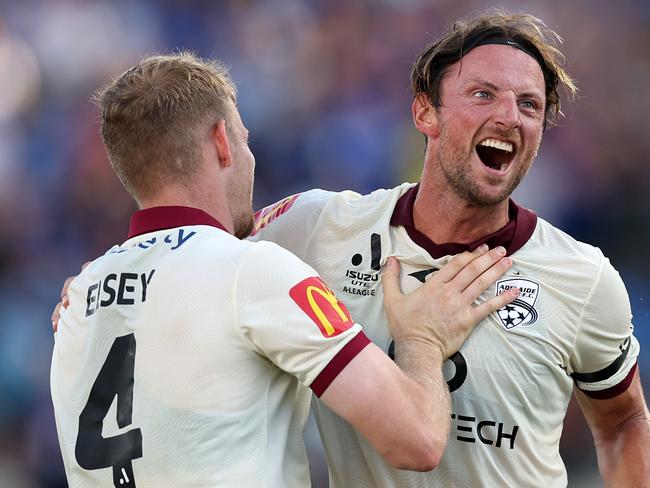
{"type": "Point", "coordinates": [324, 90]}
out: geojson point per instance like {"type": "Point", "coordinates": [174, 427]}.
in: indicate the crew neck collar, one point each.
{"type": "Point", "coordinates": [168, 217]}
{"type": "Point", "coordinates": [512, 236]}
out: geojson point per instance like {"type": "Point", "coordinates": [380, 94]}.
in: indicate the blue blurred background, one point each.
{"type": "Point", "coordinates": [324, 90]}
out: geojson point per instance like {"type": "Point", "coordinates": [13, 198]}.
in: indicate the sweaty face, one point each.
{"type": "Point", "coordinates": [240, 194]}
{"type": "Point", "coordinates": [490, 122]}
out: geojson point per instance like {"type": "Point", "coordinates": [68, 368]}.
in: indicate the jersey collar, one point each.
{"type": "Point", "coordinates": [512, 236]}
{"type": "Point", "coordinates": [159, 218]}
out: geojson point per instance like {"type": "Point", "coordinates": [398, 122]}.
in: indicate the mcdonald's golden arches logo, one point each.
{"type": "Point", "coordinates": [319, 302]}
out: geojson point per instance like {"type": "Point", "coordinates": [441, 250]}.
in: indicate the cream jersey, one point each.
{"type": "Point", "coordinates": [512, 379]}
{"type": "Point", "coordinates": [186, 356]}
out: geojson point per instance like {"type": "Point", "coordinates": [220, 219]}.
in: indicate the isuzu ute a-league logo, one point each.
{"type": "Point", "coordinates": [521, 312]}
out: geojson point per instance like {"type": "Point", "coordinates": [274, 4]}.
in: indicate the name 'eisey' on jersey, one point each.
{"type": "Point", "coordinates": [186, 357]}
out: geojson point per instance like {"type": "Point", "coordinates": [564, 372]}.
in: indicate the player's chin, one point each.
{"type": "Point", "coordinates": [490, 195]}
{"type": "Point", "coordinates": [495, 189]}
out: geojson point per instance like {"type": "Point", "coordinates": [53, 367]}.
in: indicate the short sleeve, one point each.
{"type": "Point", "coordinates": [606, 351]}
{"type": "Point", "coordinates": [291, 221]}
{"type": "Point", "coordinates": [287, 314]}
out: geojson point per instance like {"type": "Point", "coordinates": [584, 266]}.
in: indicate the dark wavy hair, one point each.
{"type": "Point", "coordinates": [527, 31]}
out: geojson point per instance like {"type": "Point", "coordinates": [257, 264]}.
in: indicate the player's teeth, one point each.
{"type": "Point", "coordinates": [504, 146]}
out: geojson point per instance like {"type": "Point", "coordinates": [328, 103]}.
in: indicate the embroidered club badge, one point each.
{"type": "Point", "coordinates": [521, 312]}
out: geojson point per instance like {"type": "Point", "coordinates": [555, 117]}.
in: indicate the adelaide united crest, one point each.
{"type": "Point", "coordinates": [520, 312]}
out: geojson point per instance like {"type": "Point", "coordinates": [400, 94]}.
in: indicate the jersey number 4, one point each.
{"type": "Point", "coordinates": [92, 450]}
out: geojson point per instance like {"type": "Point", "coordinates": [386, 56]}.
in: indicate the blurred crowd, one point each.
{"type": "Point", "coordinates": [324, 89]}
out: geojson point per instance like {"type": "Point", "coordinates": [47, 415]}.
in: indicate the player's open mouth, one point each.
{"type": "Point", "coordinates": [496, 154]}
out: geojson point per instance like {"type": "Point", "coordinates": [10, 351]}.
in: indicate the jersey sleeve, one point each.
{"type": "Point", "coordinates": [290, 222]}
{"type": "Point", "coordinates": [606, 351]}
{"type": "Point", "coordinates": [287, 314]}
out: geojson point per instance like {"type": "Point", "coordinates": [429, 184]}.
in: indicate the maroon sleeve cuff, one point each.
{"type": "Point", "coordinates": [612, 391]}
{"type": "Point", "coordinates": [338, 363]}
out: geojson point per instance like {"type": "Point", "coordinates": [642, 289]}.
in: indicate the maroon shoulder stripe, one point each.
{"type": "Point", "coordinates": [338, 363]}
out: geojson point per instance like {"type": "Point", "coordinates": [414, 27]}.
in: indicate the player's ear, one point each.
{"type": "Point", "coordinates": [219, 137]}
{"type": "Point", "coordinates": [425, 115]}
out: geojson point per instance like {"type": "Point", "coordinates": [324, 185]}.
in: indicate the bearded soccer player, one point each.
{"type": "Point", "coordinates": [483, 95]}
{"type": "Point", "coordinates": [186, 355]}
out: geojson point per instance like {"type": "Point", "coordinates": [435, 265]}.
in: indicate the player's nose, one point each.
{"type": "Point", "coordinates": [506, 114]}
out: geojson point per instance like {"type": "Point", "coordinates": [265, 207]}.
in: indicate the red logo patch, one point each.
{"type": "Point", "coordinates": [268, 214]}
{"type": "Point", "coordinates": [319, 302]}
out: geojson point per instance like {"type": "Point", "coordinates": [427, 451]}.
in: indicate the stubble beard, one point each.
{"type": "Point", "coordinates": [242, 195]}
{"type": "Point", "coordinates": [243, 221]}
{"type": "Point", "coordinates": [240, 199]}
{"type": "Point", "coordinates": [244, 227]}
{"type": "Point", "coordinates": [457, 170]}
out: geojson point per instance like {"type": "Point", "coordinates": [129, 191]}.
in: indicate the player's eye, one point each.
{"type": "Point", "coordinates": [481, 94]}
{"type": "Point", "coordinates": [528, 104]}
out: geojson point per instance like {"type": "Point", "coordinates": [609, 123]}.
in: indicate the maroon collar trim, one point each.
{"type": "Point", "coordinates": [159, 218]}
{"type": "Point", "coordinates": [512, 236]}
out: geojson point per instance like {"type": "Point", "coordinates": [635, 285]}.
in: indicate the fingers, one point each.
{"type": "Point", "coordinates": [449, 271]}
{"type": "Point", "coordinates": [487, 279]}
{"type": "Point", "coordinates": [66, 285]}
{"type": "Point", "coordinates": [493, 304]}
{"type": "Point", "coordinates": [55, 316]}
{"type": "Point", "coordinates": [475, 269]}
{"type": "Point", "coordinates": [390, 280]}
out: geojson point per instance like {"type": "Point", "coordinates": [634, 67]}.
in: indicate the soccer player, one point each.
{"type": "Point", "coordinates": [483, 95]}
{"type": "Point", "coordinates": [186, 355]}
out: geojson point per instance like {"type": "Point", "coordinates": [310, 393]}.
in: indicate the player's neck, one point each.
{"type": "Point", "coordinates": [444, 217]}
{"type": "Point", "coordinates": [211, 203]}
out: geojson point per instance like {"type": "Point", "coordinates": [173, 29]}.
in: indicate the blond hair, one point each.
{"type": "Point", "coordinates": [154, 115]}
{"type": "Point", "coordinates": [527, 31]}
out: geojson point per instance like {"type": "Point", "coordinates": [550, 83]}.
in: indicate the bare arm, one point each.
{"type": "Point", "coordinates": [404, 411]}
{"type": "Point", "coordinates": [406, 421]}
{"type": "Point", "coordinates": [621, 430]}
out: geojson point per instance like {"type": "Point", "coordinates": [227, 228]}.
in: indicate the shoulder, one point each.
{"type": "Point", "coordinates": [195, 249]}
{"type": "Point", "coordinates": [349, 208]}
{"type": "Point", "coordinates": [305, 205]}
{"type": "Point", "coordinates": [578, 266]}
{"type": "Point", "coordinates": [294, 221]}
{"type": "Point", "coordinates": [268, 258]}
{"type": "Point", "coordinates": [558, 245]}
{"type": "Point", "coordinates": [266, 250]}
{"type": "Point", "coordinates": [382, 198]}
{"type": "Point", "coordinates": [311, 206]}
